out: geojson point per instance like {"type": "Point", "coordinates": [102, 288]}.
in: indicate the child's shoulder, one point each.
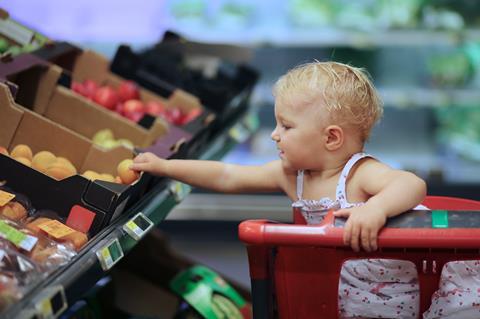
{"type": "Point", "coordinates": [369, 166]}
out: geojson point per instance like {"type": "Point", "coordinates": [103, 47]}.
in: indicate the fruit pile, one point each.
{"type": "Point", "coordinates": [60, 167]}
{"type": "Point", "coordinates": [105, 138]}
{"type": "Point", "coordinates": [126, 101]}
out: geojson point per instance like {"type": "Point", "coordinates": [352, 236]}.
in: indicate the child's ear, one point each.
{"type": "Point", "coordinates": [334, 137]}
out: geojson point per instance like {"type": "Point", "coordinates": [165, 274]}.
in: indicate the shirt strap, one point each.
{"type": "Point", "coordinates": [300, 184]}
{"type": "Point", "coordinates": [341, 193]}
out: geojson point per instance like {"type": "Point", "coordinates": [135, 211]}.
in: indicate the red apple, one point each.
{"type": "Point", "coordinates": [107, 97]}
{"type": "Point", "coordinates": [128, 90]}
{"type": "Point", "coordinates": [132, 106]}
{"type": "Point", "coordinates": [154, 108]}
{"type": "Point", "coordinates": [134, 116]}
{"type": "Point", "coordinates": [90, 87]}
{"type": "Point", "coordinates": [78, 87]}
{"type": "Point", "coordinates": [173, 115]}
{"type": "Point", "coordinates": [119, 108]}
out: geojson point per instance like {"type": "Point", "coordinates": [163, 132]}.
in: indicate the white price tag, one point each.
{"type": "Point", "coordinates": [16, 32]}
{"type": "Point", "coordinates": [110, 254]}
{"type": "Point", "coordinates": [51, 303]}
{"type": "Point", "coordinates": [138, 226]}
{"type": "Point", "coordinates": [180, 190]}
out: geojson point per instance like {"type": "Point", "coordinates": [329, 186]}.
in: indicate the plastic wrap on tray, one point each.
{"type": "Point", "coordinates": [49, 224]}
{"type": "Point", "coordinates": [17, 274]}
{"type": "Point", "coordinates": [18, 209]}
{"type": "Point", "coordinates": [48, 254]}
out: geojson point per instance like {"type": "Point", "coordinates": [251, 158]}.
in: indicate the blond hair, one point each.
{"type": "Point", "coordinates": [347, 93]}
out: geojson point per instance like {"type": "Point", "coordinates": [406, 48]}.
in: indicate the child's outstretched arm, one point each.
{"type": "Point", "coordinates": [392, 193]}
{"type": "Point", "coordinates": [213, 175]}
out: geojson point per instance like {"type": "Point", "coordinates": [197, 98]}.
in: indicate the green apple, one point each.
{"type": "Point", "coordinates": [102, 136]}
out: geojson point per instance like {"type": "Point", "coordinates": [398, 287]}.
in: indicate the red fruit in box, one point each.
{"type": "Point", "coordinates": [134, 116]}
{"type": "Point", "coordinates": [78, 87]}
{"type": "Point", "coordinates": [128, 90]}
{"type": "Point", "coordinates": [119, 108]}
{"type": "Point", "coordinates": [90, 88]}
{"type": "Point", "coordinates": [154, 108]}
{"type": "Point", "coordinates": [173, 115]}
{"type": "Point", "coordinates": [190, 116]}
{"type": "Point", "coordinates": [107, 97]}
{"type": "Point", "coordinates": [133, 106]}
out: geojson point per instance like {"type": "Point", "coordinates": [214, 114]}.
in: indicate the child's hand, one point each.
{"type": "Point", "coordinates": [362, 227]}
{"type": "Point", "coordinates": [148, 162]}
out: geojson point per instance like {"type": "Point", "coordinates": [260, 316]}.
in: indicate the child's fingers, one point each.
{"type": "Point", "coordinates": [139, 166]}
{"type": "Point", "coordinates": [354, 239]}
{"type": "Point", "coordinates": [342, 213]}
{"type": "Point", "coordinates": [365, 238]}
{"type": "Point", "coordinates": [347, 233]}
{"type": "Point", "coordinates": [373, 240]}
{"type": "Point", "coordinates": [140, 158]}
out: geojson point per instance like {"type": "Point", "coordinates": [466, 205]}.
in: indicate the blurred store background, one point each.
{"type": "Point", "coordinates": [424, 57]}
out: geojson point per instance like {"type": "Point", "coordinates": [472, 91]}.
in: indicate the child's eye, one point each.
{"type": "Point", "coordinates": [285, 127]}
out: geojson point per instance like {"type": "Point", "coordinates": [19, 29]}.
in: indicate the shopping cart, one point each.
{"type": "Point", "coordinates": [295, 268]}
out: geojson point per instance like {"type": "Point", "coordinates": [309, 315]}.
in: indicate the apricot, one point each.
{"type": "Point", "coordinates": [6, 211]}
{"type": "Point", "coordinates": [33, 225]}
{"type": "Point", "coordinates": [14, 211]}
{"type": "Point", "coordinates": [3, 150]}
{"type": "Point", "coordinates": [107, 178]}
{"type": "Point", "coordinates": [59, 171]}
{"type": "Point", "coordinates": [127, 175]}
{"type": "Point", "coordinates": [22, 150]}
{"type": "Point", "coordinates": [23, 160]}
{"type": "Point", "coordinates": [42, 160]}
{"type": "Point", "coordinates": [91, 175]}
{"type": "Point", "coordinates": [67, 163]}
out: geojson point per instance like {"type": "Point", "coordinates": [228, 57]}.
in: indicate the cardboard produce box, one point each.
{"type": "Point", "coordinates": [86, 64]}
{"type": "Point", "coordinates": [39, 91]}
{"type": "Point", "coordinates": [105, 200]}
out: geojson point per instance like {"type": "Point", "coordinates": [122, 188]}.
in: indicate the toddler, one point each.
{"type": "Point", "coordinates": [324, 113]}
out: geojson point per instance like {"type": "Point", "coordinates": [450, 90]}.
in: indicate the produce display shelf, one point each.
{"type": "Point", "coordinates": [69, 283]}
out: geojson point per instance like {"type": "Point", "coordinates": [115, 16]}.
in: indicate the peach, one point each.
{"type": "Point", "coordinates": [7, 211]}
{"type": "Point", "coordinates": [127, 175]}
{"type": "Point", "coordinates": [77, 239]}
{"type": "Point", "coordinates": [3, 150]}
{"type": "Point", "coordinates": [42, 160]}
{"type": "Point", "coordinates": [22, 150]}
{"type": "Point", "coordinates": [59, 171]}
{"type": "Point", "coordinates": [23, 160]}
{"type": "Point", "coordinates": [18, 211]}
{"type": "Point", "coordinates": [33, 226]}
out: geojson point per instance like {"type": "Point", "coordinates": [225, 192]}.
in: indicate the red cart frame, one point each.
{"type": "Point", "coordinates": [295, 268]}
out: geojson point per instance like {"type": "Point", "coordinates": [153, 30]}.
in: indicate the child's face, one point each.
{"type": "Point", "coordinates": [298, 135]}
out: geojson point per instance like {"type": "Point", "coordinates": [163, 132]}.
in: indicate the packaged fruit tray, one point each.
{"type": "Point", "coordinates": [90, 77]}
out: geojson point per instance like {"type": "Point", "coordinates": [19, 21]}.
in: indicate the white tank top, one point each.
{"type": "Point", "coordinates": [340, 201]}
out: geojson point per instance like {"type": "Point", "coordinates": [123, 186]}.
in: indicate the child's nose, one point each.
{"type": "Point", "coordinates": [274, 136]}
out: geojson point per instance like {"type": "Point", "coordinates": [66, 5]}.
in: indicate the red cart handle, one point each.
{"type": "Point", "coordinates": [268, 233]}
